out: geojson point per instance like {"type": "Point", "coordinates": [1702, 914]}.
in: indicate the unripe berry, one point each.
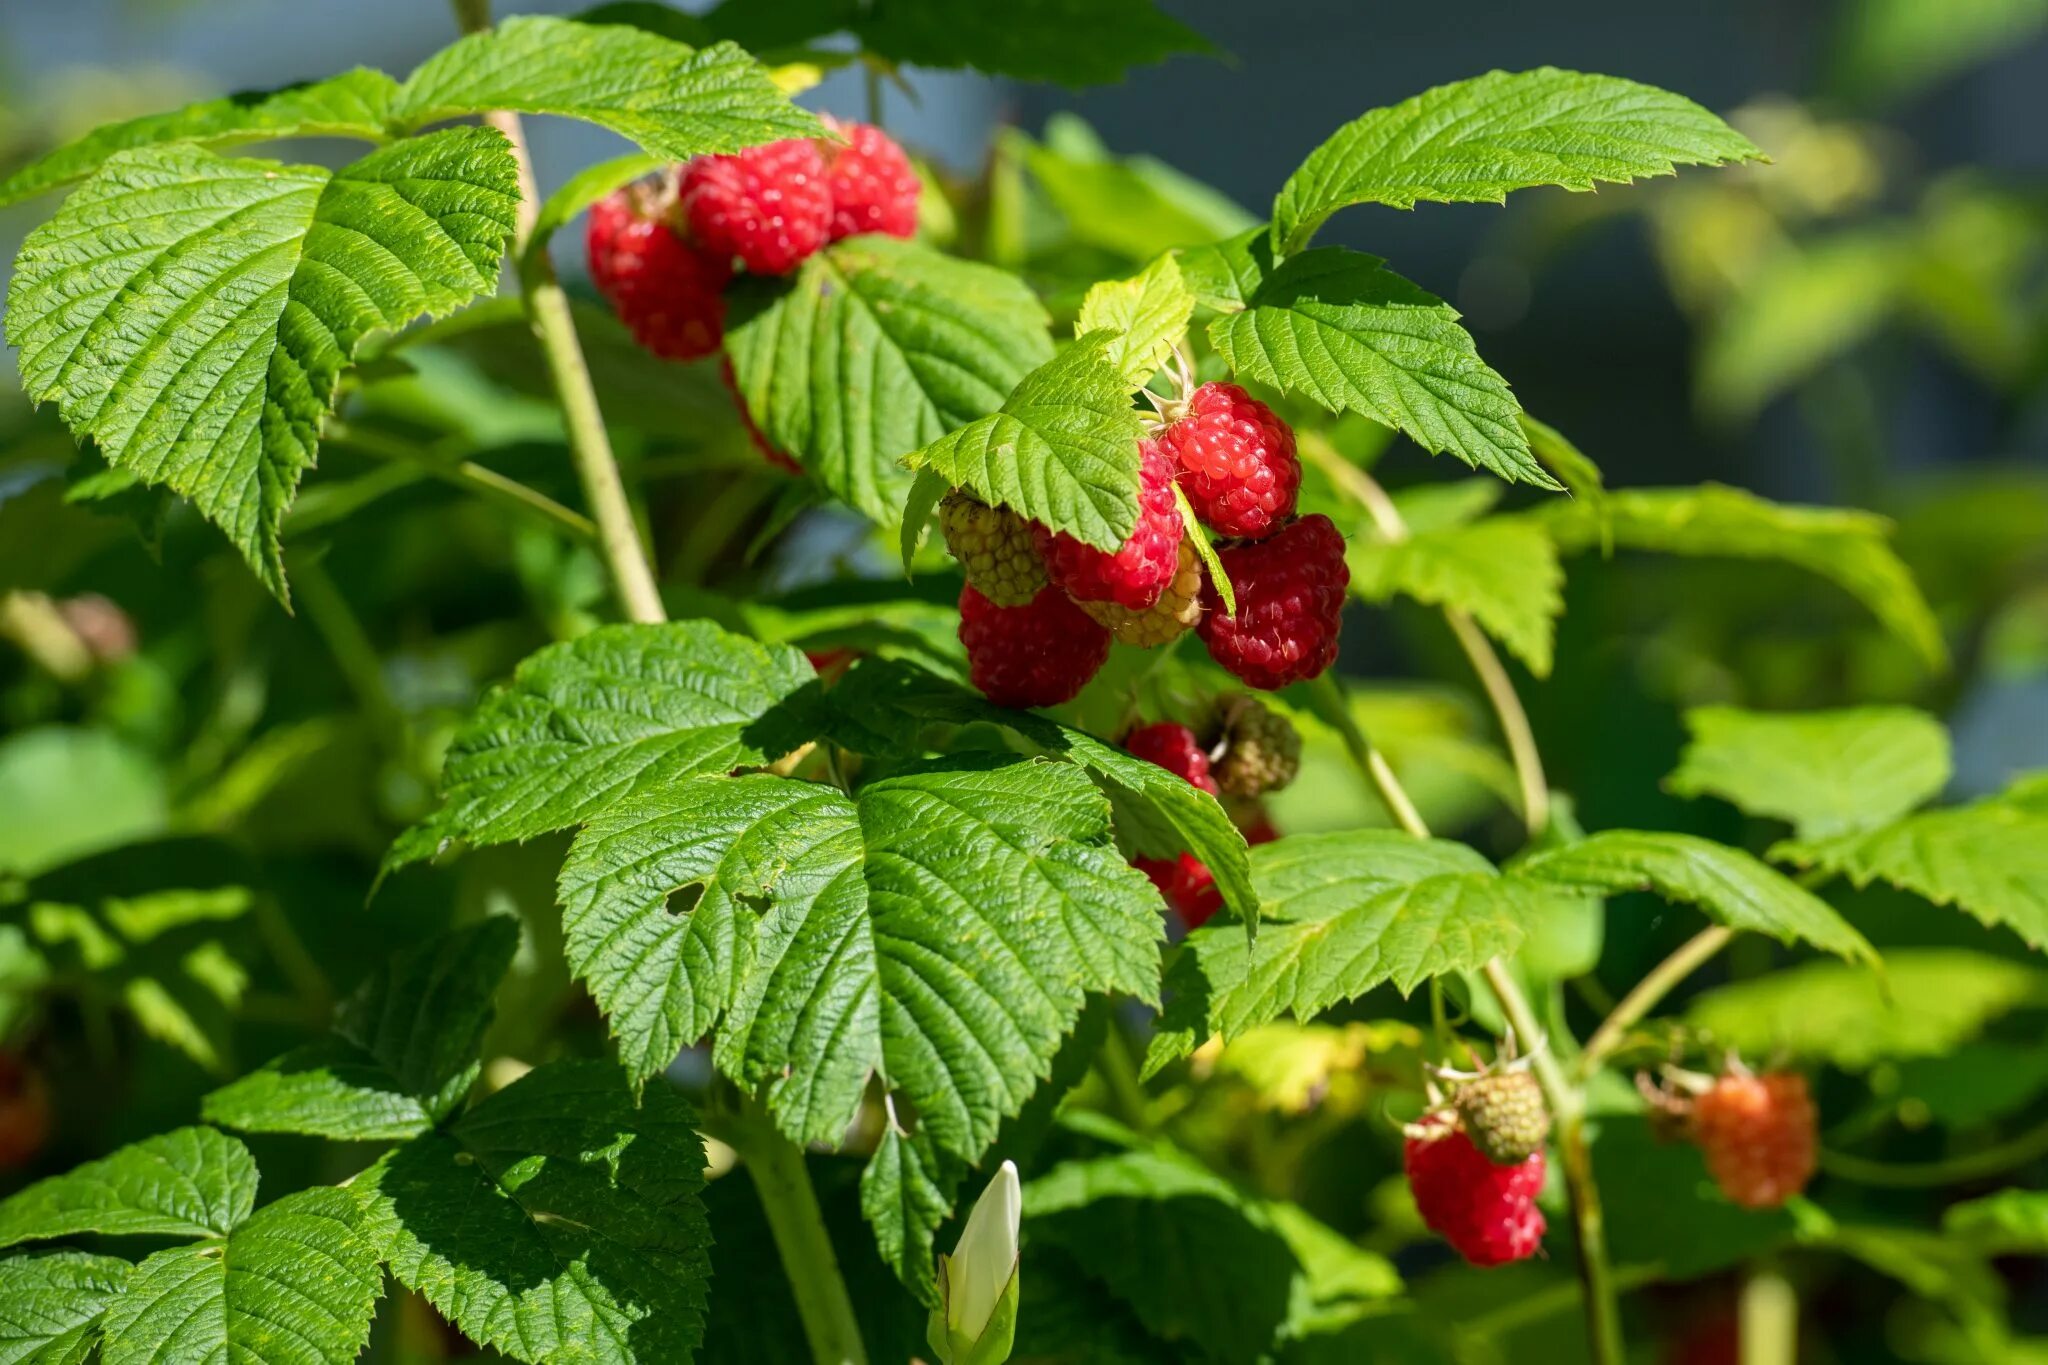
{"type": "Point", "coordinates": [1261, 750]}
{"type": "Point", "coordinates": [1759, 1135]}
{"type": "Point", "coordinates": [1505, 1116]}
{"type": "Point", "coordinates": [1166, 620]}
{"type": "Point", "coordinates": [995, 547]}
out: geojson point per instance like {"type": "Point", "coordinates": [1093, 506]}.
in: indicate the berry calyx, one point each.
{"type": "Point", "coordinates": [1137, 573]}
{"type": "Point", "coordinates": [663, 289]}
{"type": "Point", "coordinates": [1239, 468]}
{"type": "Point", "coordinates": [769, 206]}
{"type": "Point", "coordinates": [1486, 1212]}
{"type": "Point", "coordinates": [1290, 602]}
{"type": "Point", "coordinates": [874, 188]}
{"type": "Point", "coordinates": [1039, 654]}
{"type": "Point", "coordinates": [1166, 620]}
{"type": "Point", "coordinates": [1261, 750]}
{"type": "Point", "coordinates": [1175, 748]}
{"type": "Point", "coordinates": [1759, 1135]}
{"type": "Point", "coordinates": [1504, 1114]}
{"type": "Point", "coordinates": [995, 548]}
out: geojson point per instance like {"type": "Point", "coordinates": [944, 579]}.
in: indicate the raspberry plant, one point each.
{"type": "Point", "coordinates": [849, 909]}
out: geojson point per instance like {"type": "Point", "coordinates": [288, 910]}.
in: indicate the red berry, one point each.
{"type": "Point", "coordinates": [663, 289]}
{"type": "Point", "coordinates": [779, 459]}
{"type": "Point", "coordinates": [1290, 603]}
{"type": "Point", "coordinates": [1137, 573]}
{"type": "Point", "coordinates": [1187, 883]}
{"type": "Point", "coordinates": [1759, 1136]}
{"type": "Point", "coordinates": [873, 186]}
{"type": "Point", "coordinates": [1239, 468]}
{"type": "Point", "coordinates": [1487, 1212]}
{"type": "Point", "coordinates": [1039, 654]}
{"type": "Point", "coordinates": [24, 1112]}
{"type": "Point", "coordinates": [768, 205]}
{"type": "Point", "coordinates": [1174, 748]}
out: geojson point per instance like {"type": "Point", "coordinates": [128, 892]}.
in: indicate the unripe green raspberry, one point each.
{"type": "Point", "coordinates": [1166, 620]}
{"type": "Point", "coordinates": [1505, 1115]}
{"type": "Point", "coordinates": [994, 547]}
{"type": "Point", "coordinates": [1261, 751]}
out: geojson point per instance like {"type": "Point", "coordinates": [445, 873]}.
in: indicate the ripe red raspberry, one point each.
{"type": "Point", "coordinates": [1240, 471]}
{"type": "Point", "coordinates": [768, 205]}
{"type": "Point", "coordinates": [1187, 883]}
{"type": "Point", "coordinates": [1174, 748]}
{"type": "Point", "coordinates": [995, 548]}
{"type": "Point", "coordinates": [1166, 620]}
{"type": "Point", "coordinates": [1039, 654]}
{"type": "Point", "coordinates": [1136, 575]}
{"type": "Point", "coordinates": [1759, 1136]}
{"type": "Point", "coordinates": [1487, 1212]}
{"type": "Point", "coordinates": [766, 448]}
{"type": "Point", "coordinates": [1290, 602]}
{"type": "Point", "coordinates": [663, 289]}
{"type": "Point", "coordinates": [873, 186]}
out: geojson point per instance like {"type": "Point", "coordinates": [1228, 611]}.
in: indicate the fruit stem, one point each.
{"type": "Point", "coordinates": [1596, 1276]}
{"type": "Point", "coordinates": [1508, 710]}
{"type": "Point", "coordinates": [776, 1165]}
{"type": "Point", "coordinates": [1684, 960]}
{"type": "Point", "coordinates": [590, 446]}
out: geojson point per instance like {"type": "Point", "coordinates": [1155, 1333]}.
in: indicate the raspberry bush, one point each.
{"type": "Point", "coordinates": [519, 841]}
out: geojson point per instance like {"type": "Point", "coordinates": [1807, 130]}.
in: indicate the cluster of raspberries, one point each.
{"type": "Point", "coordinates": [1244, 752]}
{"type": "Point", "coordinates": [1040, 607]}
{"type": "Point", "coordinates": [663, 251]}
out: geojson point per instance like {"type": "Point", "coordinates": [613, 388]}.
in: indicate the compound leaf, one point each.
{"type": "Point", "coordinates": [1730, 886]}
{"type": "Point", "coordinates": [193, 314]}
{"type": "Point", "coordinates": [588, 722]}
{"type": "Point", "coordinates": [191, 1182]}
{"type": "Point", "coordinates": [560, 1219]}
{"type": "Point", "coordinates": [1063, 450]}
{"type": "Point", "coordinates": [876, 347]}
{"type": "Point", "coordinates": [1338, 327]}
{"type": "Point", "coordinates": [1824, 772]}
{"type": "Point", "coordinates": [1474, 140]}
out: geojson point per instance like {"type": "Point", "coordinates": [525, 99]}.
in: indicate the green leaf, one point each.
{"type": "Point", "coordinates": [927, 490]}
{"type": "Point", "coordinates": [403, 1053]}
{"type": "Point", "coordinates": [1224, 275]}
{"type": "Point", "coordinates": [1344, 913]}
{"type": "Point", "coordinates": [2011, 1222]}
{"type": "Point", "coordinates": [50, 1305]}
{"type": "Point", "coordinates": [1730, 886]}
{"type": "Point", "coordinates": [906, 1192]}
{"type": "Point", "coordinates": [1072, 42]}
{"type": "Point", "coordinates": [355, 104]}
{"type": "Point", "coordinates": [589, 722]}
{"type": "Point", "coordinates": [887, 706]}
{"type": "Point", "coordinates": [1131, 206]}
{"type": "Point", "coordinates": [673, 101]}
{"type": "Point", "coordinates": [1849, 548]}
{"type": "Point", "coordinates": [1886, 50]}
{"type": "Point", "coordinates": [1205, 550]}
{"type": "Point", "coordinates": [1474, 140]}
{"type": "Point", "coordinates": [193, 314]}
{"type": "Point", "coordinates": [1567, 461]}
{"type": "Point", "coordinates": [1062, 451]}
{"type": "Point", "coordinates": [560, 1219]}
{"type": "Point", "coordinates": [1989, 858]}
{"type": "Point", "coordinates": [192, 1182]}
{"type": "Point", "coordinates": [873, 348]}
{"type": "Point", "coordinates": [583, 189]}
{"type": "Point", "coordinates": [1502, 570]}
{"type": "Point", "coordinates": [942, 925]}
{"type": "Point", "coordinates": [1668, 1216]}
{"type": "Point", "coordinates": [1928, 1003]}
{"type": "Point", "coordinates": [1824, 772]}
{"type": "Point", "coordinates": [1338, 327]}
{"type": "Point", "coordinates": [1147, 313]}
{"type": "Point", "coordinates": [295, 1285]}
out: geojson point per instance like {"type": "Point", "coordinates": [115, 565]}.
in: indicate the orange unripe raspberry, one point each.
{"type": "Point", "coordinates": [1759, 1134]}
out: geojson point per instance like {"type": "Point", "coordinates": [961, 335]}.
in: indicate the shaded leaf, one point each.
{"type": "Point", "coordinates": [906, 1192]}
{"type": "Point", "coordinates": [1071, 42]}
{"type": "Point", "coordinates": [1824, 772]}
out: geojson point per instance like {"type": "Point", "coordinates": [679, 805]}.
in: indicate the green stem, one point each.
{"type": "Point", "coordinates": [1596, 1275]}
{"type": "Point", "coordinates": [1769, 1318]}
{"type": "Point", "coordinates": [1684, 960]}
{"type": "Point", "coordinates": [470, 475]}
{"type": "Point", "coordinates": [798, 1226]}
{"type": "Point", "coordinates": [1119, 1072]}
{"type": "Point", "coordinates": [2028, 1146]}
{"type": "Point", "coordinates": [334, 621]}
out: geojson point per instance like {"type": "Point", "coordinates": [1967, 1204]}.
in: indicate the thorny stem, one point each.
{"type": "Point", "coordinates": [1684, 960]}
{"type": "Point", "coordinates": [1603, 1312]}
{"type": "Point", "coordinates": [775, 1163]}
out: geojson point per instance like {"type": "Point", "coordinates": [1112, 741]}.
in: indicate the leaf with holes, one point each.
{"type": "Point", "coordinates": [591, 721]}
{"type": "Point", "coordinates": [192, 1182]}
{"type": "Point", "coordinates": [562, 1218]}
{"type": "Point", "coordinates": [874, 348]}
{"type": "Point", "coordinates": [1336, 326]}
{"type": "Point", "coordinates": [403, 1053]}
{"type": "Point", "coordinates": [1472, 141]}
{"type": "Point", "coordinates": [1824, 772]}
{"type": "Point", "coordinates": [193, 314]}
